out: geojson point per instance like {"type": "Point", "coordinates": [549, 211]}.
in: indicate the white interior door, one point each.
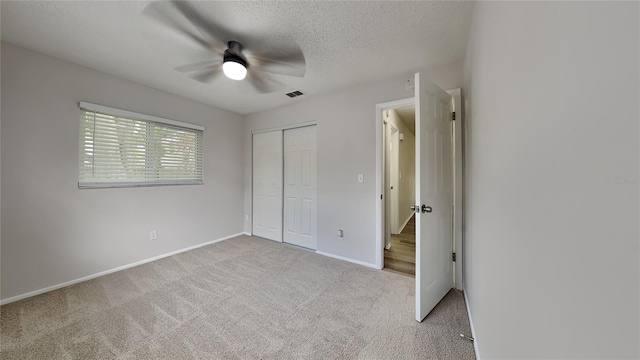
{"type": "Point", "coordinates": [267, 185]}
{"type": "Point", "coordinates": [434, 196]}
{"type": "Point", "coordinates": [300, 199]}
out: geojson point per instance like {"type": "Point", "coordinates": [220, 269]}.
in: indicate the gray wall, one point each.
{"type": "Point", "coordinates": [51, 231]}
{"type": "Point", "coordinates": [551, 222]}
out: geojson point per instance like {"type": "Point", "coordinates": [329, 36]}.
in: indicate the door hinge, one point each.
{"type": "Point", "coordinates": [454, 257]}
{"type": "Point", "coordinates": [380, 196]}
{"type": "Point", "coordinates": [453, 116]}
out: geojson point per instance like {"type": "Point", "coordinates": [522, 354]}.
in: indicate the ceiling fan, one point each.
{"type": "Point", "coordinates": [249, 60]}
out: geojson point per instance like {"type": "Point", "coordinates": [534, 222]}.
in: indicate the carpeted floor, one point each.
{"type": "Point", "coordinates": [243, 298]}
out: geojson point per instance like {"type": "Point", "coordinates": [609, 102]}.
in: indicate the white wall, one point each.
{"type": "Point", "coordinates": [448, 76]}
{"type": "Point", "coordinates": [407, 164]}
{"type": "Point", "coordinates": [51, 231]}
{"type": "Point", "coordinates": [552, 245]}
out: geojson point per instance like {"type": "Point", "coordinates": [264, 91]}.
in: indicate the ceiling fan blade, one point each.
{"type": "Point", "coordinates": [159, 12]}
{"type": "Point", "coordinates": [258, 83]}
{"type": "Point", "coordinates": [285, 58]}
{"type": "Point", "coordinates": [199, 66]}
{"type": "Point", "coordinates": [290, 67]}
{"type": "Point", "coordinates": [208, 28]}
{"type": "Point", "coordinates": [207, 76]}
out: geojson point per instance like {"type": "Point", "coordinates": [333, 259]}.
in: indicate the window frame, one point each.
{"type": "Point", "coordinates": [150, 119]}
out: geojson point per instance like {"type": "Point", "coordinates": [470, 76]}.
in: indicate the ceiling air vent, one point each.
{"type": "Point", "coordinates": [295, 94]}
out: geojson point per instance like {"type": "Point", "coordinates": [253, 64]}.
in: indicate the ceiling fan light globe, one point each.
{"type": "Point", "coordinates": [234, 70]}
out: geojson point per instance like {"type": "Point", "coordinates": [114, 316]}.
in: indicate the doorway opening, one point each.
{"type": "Point", "coordinates": [434, 203]}
{"type": "Point", "coordinates": [399, 183]}
{"type": "Point", "coordinates": [456, 147]}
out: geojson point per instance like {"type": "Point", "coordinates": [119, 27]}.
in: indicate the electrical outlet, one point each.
{"type": "Point", "coordinates": [153, 235]}
{"type": "Point", "coordinates": [360, 178]}
{"type": "Point", "coordinates": [340, 234]}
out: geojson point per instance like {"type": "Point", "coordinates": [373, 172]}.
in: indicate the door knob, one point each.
{"type": "Point", "coordinates": [426, 209]}
{"type": "Point", "coordinates": [415, 208]}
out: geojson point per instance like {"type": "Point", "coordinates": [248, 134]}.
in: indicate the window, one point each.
{"type": "Point", "coordinates": [120, 148]}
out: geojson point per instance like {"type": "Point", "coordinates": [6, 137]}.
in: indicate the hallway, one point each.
{"type": "Point", "coordinates": [401, 256]}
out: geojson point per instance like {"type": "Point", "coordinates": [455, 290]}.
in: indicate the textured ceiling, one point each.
{"type": "Point", "coordinates": [345, 43]}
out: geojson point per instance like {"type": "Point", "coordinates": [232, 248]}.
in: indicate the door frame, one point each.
{"type": "Point", "coordinates": [458, 179]}
{"type": "Point", "coordinates": [386, 222]}
{"type": "Point", "coordinates": [380, 183]}
{"type": "Point", "coordinates": [458, 241]}
{"type": "Point", "coordinates": [394, 168]}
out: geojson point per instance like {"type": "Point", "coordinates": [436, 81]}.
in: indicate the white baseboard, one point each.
{"type": "Point", "coordinates": [405, 223]}
{"type": "Point", "coordinates": [473, 330]}
{"type": "Point", "coordinates": [347, 259]}
{"type": "Point", "coordinates": [106, 272]}
{"type": "Point", "coordinates": [246, 233]}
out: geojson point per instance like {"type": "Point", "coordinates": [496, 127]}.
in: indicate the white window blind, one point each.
{"type": "Point", "coordinates": [120, 148]}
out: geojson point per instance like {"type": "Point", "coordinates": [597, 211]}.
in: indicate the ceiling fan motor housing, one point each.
{"type": "Point", "coordinates": [234, 53]}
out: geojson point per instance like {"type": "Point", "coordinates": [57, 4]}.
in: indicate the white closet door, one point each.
{"type": "Point", "coordinates": [300, 199]}
{"type": "Point", "coordinates": [267, 185]}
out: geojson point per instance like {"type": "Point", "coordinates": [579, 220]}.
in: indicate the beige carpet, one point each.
{"type": "Point", "coordinates": [243, 298]}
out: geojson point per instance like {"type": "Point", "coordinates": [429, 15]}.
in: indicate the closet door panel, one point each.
{"type": "Point", "coordinates": [267, 185]}
{"type": "Point", "coordinates": [300, 189]}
